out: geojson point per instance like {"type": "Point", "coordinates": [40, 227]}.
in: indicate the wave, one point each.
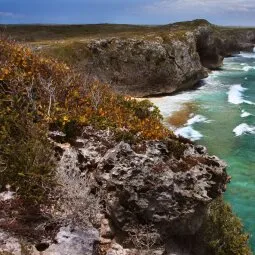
{"type": "Point", "coordinates": [248, 68]}
{"type": "Point", "coordinates": [245, 114]}
{"type": "Point", "coordinates": [197, 119]}
{"type": "Point", "coordinates": [235, 95]}
{"type": "Point", "coordinates": [246, 55]}
{"type": "Point", "coordinates": [189, 132]}
{"type": "Point", "coordinates": [170, 104]}
{"type": "Point", "coordinates": [244, 129]}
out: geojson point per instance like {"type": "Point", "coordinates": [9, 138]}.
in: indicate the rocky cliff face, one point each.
{"type": "Point", "coordinates": [142, 68]}
{"type": "Point", "coordinates": [164, 62]}
{"type": "Point", "coordinates": [214, 45]}
{"type": "Point", "coordinates": [151, 192]}
{"type": "Point", "coordinates": [162, 187]}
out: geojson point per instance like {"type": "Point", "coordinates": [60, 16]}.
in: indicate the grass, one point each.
{"type": "Point", "coordinates": [35, 33]}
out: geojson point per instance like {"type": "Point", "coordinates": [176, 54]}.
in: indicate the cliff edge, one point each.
{"type": "Point", "coordinates": [147, 61]}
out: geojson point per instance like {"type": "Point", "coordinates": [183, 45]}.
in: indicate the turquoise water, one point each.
{"type": "Point", "coordinates": [224, 121]}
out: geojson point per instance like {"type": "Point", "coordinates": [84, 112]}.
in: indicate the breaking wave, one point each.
{"type": "Point", "coordinates": [235, 95]}
{"type": "Point", "coordinates": [189, 132]}
{"type": "Point", "coordinates": [244, 129]}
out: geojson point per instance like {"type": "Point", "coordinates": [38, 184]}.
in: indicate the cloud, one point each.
{"type": "Point", "coordinates": [165, 6]}
{"type": "Point", "coordinates": [7, 14]}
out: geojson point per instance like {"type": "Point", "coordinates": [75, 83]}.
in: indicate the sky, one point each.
{"type": "Point", "coordinates": [220, 12]}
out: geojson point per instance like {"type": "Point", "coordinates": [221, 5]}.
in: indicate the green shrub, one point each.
{"type": "Point", "coordinates": [223, 231]}
{"type": "Point", "coordinates": [26, 154]}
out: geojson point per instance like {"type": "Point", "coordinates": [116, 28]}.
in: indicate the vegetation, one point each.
{"type": "Point", "coordinates": [39, 93]}
{"type": "Point", "coordinates": [34, 33]}
{"type": "Point", "coordinates": [223, 231]}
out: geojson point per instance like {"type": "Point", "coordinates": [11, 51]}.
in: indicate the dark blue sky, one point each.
{"type": "Point", "coordinates": [225, 12]}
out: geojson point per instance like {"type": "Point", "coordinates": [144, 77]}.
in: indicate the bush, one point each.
{"type": "Point", "coordinates": [223, 231]}
{"type": "Point", "coordinates": [56, 94]}
{"type": "Point", "coordinates": [26, 155]}
{"type": "Point", "coordinates": [102, 108]}
{"type": "Point", "coordinates": [36, 93]}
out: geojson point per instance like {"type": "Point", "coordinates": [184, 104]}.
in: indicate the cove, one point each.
{"type": "Point", "coordinates": [220, 114]}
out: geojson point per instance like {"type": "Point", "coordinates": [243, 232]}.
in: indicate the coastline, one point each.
{"type": "Point", "coordinates": [221, 105]}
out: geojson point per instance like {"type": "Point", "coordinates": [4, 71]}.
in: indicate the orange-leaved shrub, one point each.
{"type": "Point", "coordinates": [57, 94]}
{"type": "Point", "coordinates": [37, 94]}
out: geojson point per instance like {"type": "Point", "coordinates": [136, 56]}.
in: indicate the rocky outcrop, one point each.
{"type": "Point", "coordinates": [162, 187]}
{"type": "Point", "coordinates": [157, 188]}
{"type": "Point", "coordinates": [151, 192]}
{"type": "Point", "coordinates": [213, 44]}
{"type": "Point", "coordinates": [141, 67]}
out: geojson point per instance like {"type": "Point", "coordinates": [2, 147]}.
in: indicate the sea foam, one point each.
{"type": "Point", "coordinates": [197, 119]}
{"type": "Point", "coordinates": [235, 95]}
{"type": "Point", "coordinates": [245, 114]}
{"type": "Point", "coordinates": [248, 68]}
{"type": "Point", "coordinates": [189, 132]}
{"type": "Point", "coordinates": [246, 55]}
{"type": "Point", "coordinates": [244, 129]}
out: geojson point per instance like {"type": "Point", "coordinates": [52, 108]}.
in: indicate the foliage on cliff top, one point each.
{"type": "Point", "coordinates": [37, 33]}
{"type": "Point", "coordinates": [58, 95]}
{"type": "Point", "coordinates": [38, 93]}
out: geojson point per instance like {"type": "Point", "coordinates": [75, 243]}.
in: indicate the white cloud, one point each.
{"type": "Point", "coordinates": [202, 5]}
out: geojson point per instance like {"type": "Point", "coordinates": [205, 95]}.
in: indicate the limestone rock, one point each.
{"type": "Point", "coordinates": [156, 188]}
{"type": "Point", "coordinates": [140, 67]}
{"type": "Point", "coordinates": [74, 241]}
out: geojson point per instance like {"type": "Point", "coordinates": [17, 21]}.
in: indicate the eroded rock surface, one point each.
{"type": "Point", "coordinates": [164, 185]}
{"type": "Point", "coordinates": [142, 68]}
{"type": "Point", "coordinates": [74, 241]}
{"type": "Point", "coordinates": [151, 192]}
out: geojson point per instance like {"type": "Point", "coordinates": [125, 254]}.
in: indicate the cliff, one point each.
{"type": "Point", "coordinates": [155, 60]}
{"type": "Point", "coordinates": [146, 196]}
{"type": "Point", "coordinates": [174, 61]}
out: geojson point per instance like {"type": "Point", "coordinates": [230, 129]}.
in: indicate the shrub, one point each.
{"type": "Point", "coordinates": [27, 162]}
{"type": "Point", "coordinates": [76, 203]}
{"type": "Point", "coordinates": [223, 231]}
{"type": "Point", "coordinates": [56, 94]}
{"type": "Point", "coordinates": [36, 93]}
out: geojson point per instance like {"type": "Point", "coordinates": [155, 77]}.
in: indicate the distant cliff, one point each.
{"type": "Point", "coordinates": [155, 60]}
{"type": "Point", "coordinates": [167, 63]}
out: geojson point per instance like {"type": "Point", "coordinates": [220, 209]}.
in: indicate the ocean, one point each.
{"type": "Point", "coordinates": [220, 114]}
